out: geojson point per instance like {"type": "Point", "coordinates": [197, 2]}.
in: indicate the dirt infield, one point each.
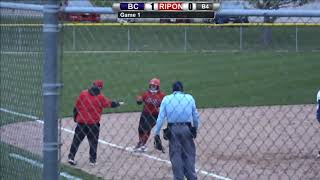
{"type": "Point", "coordinates": [277, 142]}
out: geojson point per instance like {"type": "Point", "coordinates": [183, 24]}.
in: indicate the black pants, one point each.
{"type": "Point", "coordinates": [146, 123]}
{"type": "Point", "coordinates": [92, 133]}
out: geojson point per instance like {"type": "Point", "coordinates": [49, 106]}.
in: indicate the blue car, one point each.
{"type": "Point", "coordinates": [233, 19]}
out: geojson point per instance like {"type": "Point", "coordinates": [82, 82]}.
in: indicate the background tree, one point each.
{"type": "Point", "coordinates": [274, 4]}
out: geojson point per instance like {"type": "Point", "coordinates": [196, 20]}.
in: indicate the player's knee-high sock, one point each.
{"type": "Point", "coordinates": [141, 137]}
{"type": "Point", "coordinates": [146, 137]}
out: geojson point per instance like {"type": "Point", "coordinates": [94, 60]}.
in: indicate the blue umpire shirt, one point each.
{"type": "Point", "coordinates": [177, 107]}
{"type": "Point", "coordinates": [318, 107]}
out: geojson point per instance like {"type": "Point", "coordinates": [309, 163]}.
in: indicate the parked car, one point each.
{"type": "Point", "coordinates": [174, 20]}
{"type": "Point", "coordinates": [227, 19]}
{"type": "Point", "coordinates": [83, 17]}
{"type": "Point", "coordinates": [80, 17]}
{"type": "Point", "coordinates": [233, 19]}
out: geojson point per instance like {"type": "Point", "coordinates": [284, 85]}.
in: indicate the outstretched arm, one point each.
{"type": "Point", "coordinates": [195, 116]}
{"type": "Point", "coordinates": [115, 104]}
{"type": "Point", "coordinates": [107, 103]}
{"type": "Point", "coordinates": [161, 117]}
{"type": "Point", "coordinates": [139, 100]}
{"type": "Point", "coordinates": [318, 111]}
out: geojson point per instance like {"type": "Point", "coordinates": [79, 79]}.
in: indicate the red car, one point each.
{"type": "Point", "coordinates": [83, 17]}
{"type": "Point", "coordinates": [80, 17]}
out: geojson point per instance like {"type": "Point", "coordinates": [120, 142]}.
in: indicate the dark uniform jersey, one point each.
{"type": "Point", "coordinates": [152, 102]}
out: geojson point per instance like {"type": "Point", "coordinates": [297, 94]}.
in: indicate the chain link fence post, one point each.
{"type": "Point", "coordinates": [296, 39]}
{"type": "Point", "coordinates": [129, 39]}
{"type": "Point", "coordinates": [185, 39]}
{"type": "Point", "coordinates": [50, 91]}
{"type": "Point", "coordinates": [74, 38]}
{"type": "Point", "coordinates": [241, 38]}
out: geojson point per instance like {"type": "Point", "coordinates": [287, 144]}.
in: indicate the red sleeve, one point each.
{"type": "Point", "coordinates": [105, 102]}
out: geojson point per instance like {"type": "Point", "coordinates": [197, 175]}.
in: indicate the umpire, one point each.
{"type": "Point", "coordinates": [87, 114]}
{"type": "Point", "coordinates": [183, 121]}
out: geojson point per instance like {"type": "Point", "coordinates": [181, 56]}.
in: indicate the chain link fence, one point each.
{"type": "Point", "coordinates": [237, 138]}
{"type": "Point", "coordinates": [21, 98]}
{"type": "Point", "coordinates": [184, 38]}
{"type": "Point", "coordinates": [256, 102]}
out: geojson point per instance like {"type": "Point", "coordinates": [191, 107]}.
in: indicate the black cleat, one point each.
{"type": "Point", "coordinates": [72, 162]}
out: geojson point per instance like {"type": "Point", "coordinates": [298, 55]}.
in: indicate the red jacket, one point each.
{"type": "Point", "coordinates": [90, 107]}
{"type": "Point", "coordinates": [152, 102]}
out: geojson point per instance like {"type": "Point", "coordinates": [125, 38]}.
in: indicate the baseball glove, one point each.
{"type": "Point", "coordinates": [157, 143]}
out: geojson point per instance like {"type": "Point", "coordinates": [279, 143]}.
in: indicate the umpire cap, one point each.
{"type": "Point", "coordinates": [177, 86]}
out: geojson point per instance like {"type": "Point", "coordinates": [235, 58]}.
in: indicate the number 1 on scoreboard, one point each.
{"type": "Point", "coordinates": [150, 6]}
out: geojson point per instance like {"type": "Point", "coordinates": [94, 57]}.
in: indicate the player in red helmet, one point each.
{"type": "Point", "coordinates": [154, 85]}
{"type": "Point", "coordinates": [152, 99]}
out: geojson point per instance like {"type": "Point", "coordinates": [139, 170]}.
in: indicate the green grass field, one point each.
{"type": "Point", "coordinates": [215, 79]}
{"type": "Point", "coordinates": [12, 168]}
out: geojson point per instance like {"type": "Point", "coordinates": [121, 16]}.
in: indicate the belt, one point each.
{"type": "Point", "coordinates": [180, 124]}
{"type": "Point", "coordinates": [94, 124]}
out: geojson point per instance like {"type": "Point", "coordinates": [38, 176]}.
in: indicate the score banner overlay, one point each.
{"type": "Point", "coordinates": [157, 14]}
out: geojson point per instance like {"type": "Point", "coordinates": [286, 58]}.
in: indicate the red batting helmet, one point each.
{"type": "Point", "coordinates": [98, 83]}
{"type": "Point", "coordinates": [155, 82]}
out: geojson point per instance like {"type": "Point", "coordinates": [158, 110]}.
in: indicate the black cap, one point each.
{"type": "Point", "coordinates": [177, 86]}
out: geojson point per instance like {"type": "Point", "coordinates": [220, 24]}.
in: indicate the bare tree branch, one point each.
{"type": "Point", "coordinates": [276, 4]}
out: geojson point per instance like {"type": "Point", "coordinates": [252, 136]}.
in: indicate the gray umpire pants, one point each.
{"type": "Point", "coordinates": [182, 152]}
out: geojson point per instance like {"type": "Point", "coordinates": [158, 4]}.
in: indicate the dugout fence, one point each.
{"type": "Point", "coordinates": [243, 135]}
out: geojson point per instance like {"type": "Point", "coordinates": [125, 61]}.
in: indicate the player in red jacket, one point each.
{"type": "Point", "coordinates": [152, 100]}
{"type": "Point", "coordinates": [87, 114]}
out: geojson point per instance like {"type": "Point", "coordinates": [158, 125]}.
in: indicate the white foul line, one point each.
{"type": "Point", "coordinates": [18, 114]}
{"type": "Point", "coordinates": [116, 146]}
{"type": "Point", "coordinates": [40, 165]}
